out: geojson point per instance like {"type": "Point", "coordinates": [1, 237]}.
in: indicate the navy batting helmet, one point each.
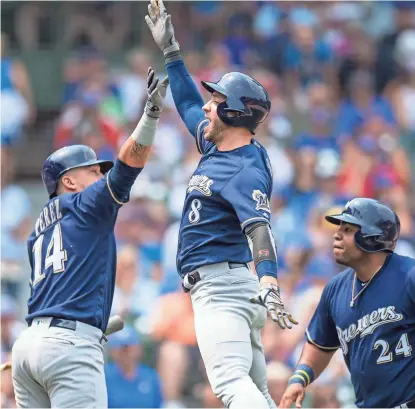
{"type": "Point", "coordinates": [245, 96]}
{"type": "Point", "coordinates": [379, 225]}
{"type": "Point", "coordinates": [67, 158]}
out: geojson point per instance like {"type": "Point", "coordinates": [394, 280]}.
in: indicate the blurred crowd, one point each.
{"type": "Point", "coordinates": [341, 76]}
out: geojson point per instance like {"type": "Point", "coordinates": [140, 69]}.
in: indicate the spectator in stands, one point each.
{"type": "Point", "coordinates": [130, 384]}
{"type": "Point", "coordinates": [277, 377]}
{"type": "Point", "coordinates": [6, 386]}
{"type": "Point", "coordinates": [132, 85]}
{"type": "Point", "coordinates": [320, 116]}
{"type": "Point", "coordinates": [173, 326]}
{"type": "Point", "coordinates": [308, 58]}
{"type": "Point", "coordinates": [386, 67]}
{"type": "Point", "coordinates": [17, 103]}
{"type": "Point", "coordinates": [16, 224]}
{"type": "Point", "coordinates": [93, 116]}
{"type": "Point", "coordinates": [362, 103]}
{"type": "Point", "coordinates": [10, 325]}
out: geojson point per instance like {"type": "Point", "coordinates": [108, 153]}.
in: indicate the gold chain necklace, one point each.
{"type": "Point", "coordinates": [354, 297]}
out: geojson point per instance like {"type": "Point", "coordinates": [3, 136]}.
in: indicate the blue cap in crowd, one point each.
{"type": "Point", "coordinates": [126, 337]}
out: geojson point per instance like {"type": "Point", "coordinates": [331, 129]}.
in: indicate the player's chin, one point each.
{"type": "Point", "coordinates": [339, 256]}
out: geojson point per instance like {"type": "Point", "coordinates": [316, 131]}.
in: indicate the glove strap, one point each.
{"type": "Point", "coordinates": [272, 288]}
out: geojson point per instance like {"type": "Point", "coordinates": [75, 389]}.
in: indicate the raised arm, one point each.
{"type": "Point", "coordinates": [186, 96]}
{"type": "Point", "coordinates": [102, 199]}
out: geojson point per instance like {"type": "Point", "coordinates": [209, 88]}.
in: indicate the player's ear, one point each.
{"type": "Point", "coordinates": [67, 183]}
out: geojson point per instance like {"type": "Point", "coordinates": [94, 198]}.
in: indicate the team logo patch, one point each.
{"type": "Point", "coordinates": [262, 202]}
{"type": "Point", "coordinates": [200, 183]}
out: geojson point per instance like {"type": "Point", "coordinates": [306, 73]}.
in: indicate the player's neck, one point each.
{"type": "Point", "coordinates": [234, 138]}
{"type": "Point", "coordinates": [369, 266]}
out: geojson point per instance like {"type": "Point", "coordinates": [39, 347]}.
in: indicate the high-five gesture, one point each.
{"type": "Point", "coordinates": [161, 27]}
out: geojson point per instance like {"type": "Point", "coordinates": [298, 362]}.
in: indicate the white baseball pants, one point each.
{"type": "Point", "coordinates": [57, 367]}
{"type": "Point", "coordinates": [228, 331]}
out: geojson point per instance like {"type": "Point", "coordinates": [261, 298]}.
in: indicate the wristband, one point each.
{"type": "Point", "coordinates": [145, 131]}
{"type": "Point", "coordinates": [303, 374]}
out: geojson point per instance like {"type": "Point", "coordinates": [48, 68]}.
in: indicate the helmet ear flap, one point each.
{"type": "Point", "coordinates": [369, 244]}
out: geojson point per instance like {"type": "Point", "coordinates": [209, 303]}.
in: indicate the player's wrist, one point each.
{"type": "Point", "coordinates": [303, 375]}
{"type": "Point", "coordinates": [145, 131]}
{"type": "Point", "coordinates": [172, 55]}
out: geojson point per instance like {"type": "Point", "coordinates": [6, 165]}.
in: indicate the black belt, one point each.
{"type": "Point", "coordinates": [190, 279]}
{"type": "Point", "coordinates": [409, 404]}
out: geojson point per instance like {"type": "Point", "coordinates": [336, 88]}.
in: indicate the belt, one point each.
{"type": "Point", "coordinates": [409, 404]}
{"type": "Point", "coordinates": [68, 324]}
{"type": "Point", "coordinates": [192, 278]}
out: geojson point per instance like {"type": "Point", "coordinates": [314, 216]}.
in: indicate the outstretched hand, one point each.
{"type": "Point", "coordinates": [161, 27]}
{"type": "Point", "coordinates": [269, 297]}
{"type": "Point", "coordinates": [156, 92]}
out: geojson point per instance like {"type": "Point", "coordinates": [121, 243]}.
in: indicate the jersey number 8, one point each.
{"type": "Point", "coordinates": [194, 215]}
{"type": "Point", "coordinates": [55, 255]}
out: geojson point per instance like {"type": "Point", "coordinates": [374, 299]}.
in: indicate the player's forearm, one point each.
{"type": "Point", "coordinates": [315, 358]}
{"type": "Point", "coordinates": [186, 96]}
{"type": "Point", "coordinates": [135, 150]}
{"type": "Point", "coordinates": [264, 251]}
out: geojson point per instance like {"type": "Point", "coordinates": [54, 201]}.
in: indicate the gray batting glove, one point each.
{"type": "Point", "coordinates": [156, 92]}
{"type": "Point", "coordinates": [161, 27]}
{"type": "Point", "coordinates": [270, 298]}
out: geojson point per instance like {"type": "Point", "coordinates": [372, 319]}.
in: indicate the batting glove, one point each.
{"type": "Point", "coordinates": [161, 27]}
{"type": "Point", "coordinates": [156, 92]}
{"type": "Point", "coordinates": [270, 298]}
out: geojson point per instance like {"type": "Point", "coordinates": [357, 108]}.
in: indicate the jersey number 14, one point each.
{"type": "Point", "coordinates": [55, 255]}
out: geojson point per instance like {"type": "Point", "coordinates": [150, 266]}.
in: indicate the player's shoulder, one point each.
{"type": "Point", "coordinates": [256, 156]}
{"type": "Point", "coordinates": [338, 280]}
{"type": "Point", "coordinates": [402, 264]}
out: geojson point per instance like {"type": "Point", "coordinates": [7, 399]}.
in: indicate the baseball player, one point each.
{"type": "Point", "coordinates": [58, 360]}
{"type": "Point", "coordinates": [368, 311]}
{"type": "Point", "coordinates": [226, 207]}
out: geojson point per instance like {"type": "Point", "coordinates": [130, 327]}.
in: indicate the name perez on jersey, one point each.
{"type": "Point", "coordinates": [49, 215]}
{"type": "Point", "coordinates": [367, 324]}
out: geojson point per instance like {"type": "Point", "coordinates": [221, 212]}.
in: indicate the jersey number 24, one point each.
{"type": "Point", "coordinates": [55, 255]}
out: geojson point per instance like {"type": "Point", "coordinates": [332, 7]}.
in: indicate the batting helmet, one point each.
{"type": "Point", "coordinates": [67, 158]}
{"type": "Point", "coordinates": [245, 96]}
{"type": "Point", "coordinates": [379, 225]}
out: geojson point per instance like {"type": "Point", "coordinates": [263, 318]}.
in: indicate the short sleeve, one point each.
{"type": "Point", "coordinates": [249, 193]}
{"type": "Point", "coordinates": [321, 331]}
{"type": "Point", "coordinates": [98, 204]}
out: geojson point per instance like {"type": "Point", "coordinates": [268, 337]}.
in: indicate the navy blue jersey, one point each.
{"type": "Point", "coordinates": [72, 253]}
{"type": "Point", "coordinates": [377, 334]}
{"type": "Point", "coordinates": [227, 192]}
